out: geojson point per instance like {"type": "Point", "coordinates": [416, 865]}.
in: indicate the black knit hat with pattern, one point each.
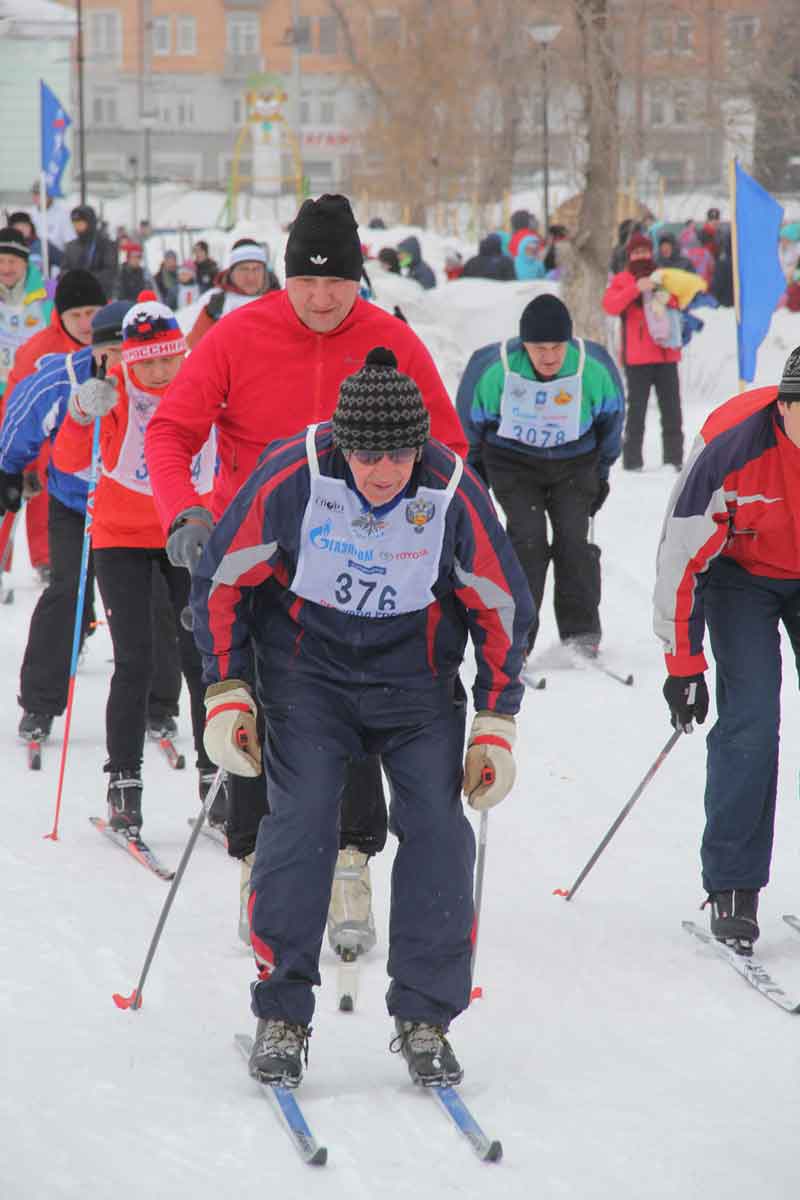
{"type": "Point", "coordinates": [12, 242]}
{"type": "Point", "coordinates": [379, 408]}
{"type": "Point", "coordinates": [789, 386]}
{"type": "Point", "coordinates": [324, 240]}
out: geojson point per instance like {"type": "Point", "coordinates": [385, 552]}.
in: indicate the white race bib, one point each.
{"type": "Point", "coordinates": [18, 322]}
{"type": "Point", "coordinates": [364, 565]}
{"type": "Point", "coordinates": [538, 413]}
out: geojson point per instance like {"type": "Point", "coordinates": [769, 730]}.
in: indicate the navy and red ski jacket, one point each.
{"type": "Point", "coordinates": [739, 497]}
{"type": "Point", "coordinates": [241, 597]}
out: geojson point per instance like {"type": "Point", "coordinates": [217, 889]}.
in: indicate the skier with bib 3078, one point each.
{"type": "Point", "coordinates": [354, 562]}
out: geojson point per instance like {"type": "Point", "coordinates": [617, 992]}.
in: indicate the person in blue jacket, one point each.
{"type": "Point", "coordinates": [351, 567]}
{"type": "Point", "coordinates": [543, 415]}
{"type": "Point", "coordinates": [411, 260]}
{"type": "Point", "coordinates": [35, 411]}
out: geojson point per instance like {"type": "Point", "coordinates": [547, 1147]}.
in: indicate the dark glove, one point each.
{"type": "Point", "coordinates": [10, 492]}
{"type": "Point", "coordinates": [188, 535]}
{"type": "Point", "coordinates": [600, 498]}
{"type": "Point", "coordinates": [687, 697]}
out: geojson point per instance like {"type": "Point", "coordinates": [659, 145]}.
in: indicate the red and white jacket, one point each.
{"type": "Point", "coordinates": [623, 299]}
{"type": "Point", "coordinates": [125, 513]}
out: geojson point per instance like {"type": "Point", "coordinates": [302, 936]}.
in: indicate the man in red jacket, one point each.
{"type": "Point", "coordinates": [647, 364]}
{"type": "Point", "coordinates": [266, 372]}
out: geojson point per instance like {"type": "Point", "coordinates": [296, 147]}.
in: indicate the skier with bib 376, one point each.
{"type": "Point", "coordinates": [354, 563]}
{"type": "Point", "coordinates": [543, 414]}
{"type": "Point", "coordinates": [128, 541]}
{"type": "Point", "coordinates": [729, 559]}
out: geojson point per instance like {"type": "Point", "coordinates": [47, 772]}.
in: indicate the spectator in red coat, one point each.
{"type": "Point", "coordinates": [647, 363]}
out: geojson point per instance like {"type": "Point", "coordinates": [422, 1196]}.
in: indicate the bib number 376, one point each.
{"type": "Point", "coordinates": [357, 592]}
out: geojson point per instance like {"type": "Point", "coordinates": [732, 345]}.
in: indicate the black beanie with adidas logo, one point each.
{"type": "Point", "coordinates": [324, 240]}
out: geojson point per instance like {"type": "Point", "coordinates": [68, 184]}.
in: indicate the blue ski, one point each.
{"type": "Point", "coordinates": [294, 1122]}
{"type": "Point", "coordinates": [486, 1148]}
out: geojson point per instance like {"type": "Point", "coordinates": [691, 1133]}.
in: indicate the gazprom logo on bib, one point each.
{"type": "Point", "coordinates": [321, 540]}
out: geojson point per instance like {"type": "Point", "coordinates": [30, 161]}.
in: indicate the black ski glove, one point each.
{"type": "Point", "coordinates": [10, 492]}
{"type": "Point", "coordinates": [600, 498]}
{"type": "Point", "coordinates": [687, 697]}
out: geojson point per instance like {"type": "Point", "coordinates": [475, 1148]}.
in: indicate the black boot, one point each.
{"type": "Point", "coordinates": [125, 801]}
{"type": "Point", "coordinates": [35, 727]}
{"type": "Point", "coordinates": [430, 1057]}
{"type": "Point", "coordinates": [734, 918]}
{"type": "Point", "coordinates": [279, 1051]}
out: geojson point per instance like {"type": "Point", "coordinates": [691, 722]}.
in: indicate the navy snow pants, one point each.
{"type": "Point", "coordinates": [313, 728]}
{"type": "Point", "coordinates": [743, 613]}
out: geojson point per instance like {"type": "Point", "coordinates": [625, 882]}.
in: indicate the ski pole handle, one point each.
{"type": "Point", "coordinates": [487, 776]}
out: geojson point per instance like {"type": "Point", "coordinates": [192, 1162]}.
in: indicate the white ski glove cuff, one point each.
{"type": "Point", "coordinates": [489, 770]}
{"type": "Point", "coordinates": [231, 737]}
{"type": "Point", "coordinates": [94, 398]}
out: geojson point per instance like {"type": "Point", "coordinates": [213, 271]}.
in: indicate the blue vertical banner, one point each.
{"type": "Point", "coordinates": [55, 123]}
{"type": "Point", "coordinates": [759, 279]}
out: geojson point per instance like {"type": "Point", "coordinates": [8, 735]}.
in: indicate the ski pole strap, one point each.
{"type": "Point", "coordinates": [490, 739]}
{"type": "Point", "coordinates": [230, 706]}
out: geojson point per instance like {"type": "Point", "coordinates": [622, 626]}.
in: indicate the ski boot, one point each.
{"type": "Point", "coordinates": [734, 918]}
{"type": "Point", "coordinates": [162, 727]}
{"type": "Point", "coordinates": [351, 925]}
{"type": "Point", "coordinates": [35, 727]}
{"type": "Point", "coordinates": [279, 1051]}
{"type": "Point", "coordinates": [430, 1057]}
{"type": "Point", "coordinates": [125, 801]}
{"type": "Point", "coordinates": [584, 645]}
{"type": "Point", "coordinates": [219, 809]}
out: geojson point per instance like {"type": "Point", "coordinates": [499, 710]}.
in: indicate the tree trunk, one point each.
{"type": "Point", "coordinates": [585, 262]}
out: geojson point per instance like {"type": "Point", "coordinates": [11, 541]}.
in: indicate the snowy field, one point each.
{"type": "Point", "coordinates": [615, 1058]}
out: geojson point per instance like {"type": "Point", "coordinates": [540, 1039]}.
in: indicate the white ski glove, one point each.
{"type": "Point", "coordinates": [230, 737]}
{"type": "Point", "coordinates": [94, 398]}
{"type": "Point", "coordinates": [489, 770]}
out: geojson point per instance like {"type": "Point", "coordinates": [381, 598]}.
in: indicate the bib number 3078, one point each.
{"type": "Point", "coordinates": [357, 592]}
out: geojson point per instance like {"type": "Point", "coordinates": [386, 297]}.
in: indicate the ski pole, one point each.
{"type": "Point", "coordinates": [6, 537]}
{"type": "Point", "coordinates": [480, 867]}
{"type": "Point", "coordinates": [135, 999]}
{"type": "Point", "coordinates": [77, 627]}
{"type": "Point", "coordinates": [623, 814]}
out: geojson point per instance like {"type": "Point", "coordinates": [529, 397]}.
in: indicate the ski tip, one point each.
{"type": "Point", "coordinates": [346, 1004]}
{"type": "Point", "coordinates": [541, 684]}
{"type": "Point", "coordinates": [180, 762]}
{"type": "Point", "coordinates": [629, 681]}
{"type": "Point", "coordinates": [133, 1001]}
{"type": "Point", "coordinates": [494, 1153]}
{"type": "Point", "coordinates": [319, 1157]}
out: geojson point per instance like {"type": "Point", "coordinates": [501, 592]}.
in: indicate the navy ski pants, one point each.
{"type": "Point", "coordinates": [743, 613]}
{"type": "Point", "coordinates": [314, 726]}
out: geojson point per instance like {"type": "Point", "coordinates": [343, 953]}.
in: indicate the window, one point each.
{"type": "Point", "coordinates": [327, 112]}
{"type": "Point", "coordinates": [657, 110]}
{"type": "Point", "coordinates": [184, 111]}
{"type": "Point", "coordinates": [244, 35]}
{"type": "Point", "coordinates": [683, 36]}
{"type": "Point", "coordinates": [328, 35]}
{"type": "Point", "coordinates": [680, 108]}
{"type": "Point", "coordinates": [301, 35]}
{"type": "Point", "coordinates": [162, 41]}
{"type": "Point", "coordinates": [673, 170]}
{"type": "Point", "coordinates": [104, 35]}
{"type": "Point", "coordinates": [239, 110]}
{"type": "Point", "coordinates": [104, 109]}
{"type": "Point", "coordinates": [386, 28]}
{"type": "Point", "coordinates": [658, 37]}
{"type": "Point", "coordinates": [186, 35]}
{"type": "Point", "coordinates": [305, 112]}
{"type": "Point", "coordinates": [742, 32]}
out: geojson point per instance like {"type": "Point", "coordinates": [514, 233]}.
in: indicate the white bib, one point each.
{"type": "Point", "coordinates": [18, 322]}
{"type": "Point", "coordinates": [541, 413]}
{"type": "Point", "coordinates": [131, 469]}
{"type": "Point", "coordinates": [363, 565]}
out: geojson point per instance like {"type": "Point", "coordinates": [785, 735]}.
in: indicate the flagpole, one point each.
{"type": "Point", "coordinates": [45, 238]}
{"type": "Point", "coordinates": [737, 300]}
{"type": "Point", "coordinates": [81, 122]}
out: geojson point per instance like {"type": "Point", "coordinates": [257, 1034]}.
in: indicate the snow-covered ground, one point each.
{"type": "Point", "coordinates": [614, 1057]}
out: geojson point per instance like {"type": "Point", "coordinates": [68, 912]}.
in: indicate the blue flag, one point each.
{"type": "Point", "coordinates": [55, 124]}
{"type": "Point", "coordinates": [758, 220]}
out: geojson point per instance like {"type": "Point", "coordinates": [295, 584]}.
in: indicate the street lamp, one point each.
{"type": "Point", "coordinates": [543, 35]}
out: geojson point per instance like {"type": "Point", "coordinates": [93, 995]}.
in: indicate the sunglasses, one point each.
{"type": "Point", "coordinates": [369, 458]}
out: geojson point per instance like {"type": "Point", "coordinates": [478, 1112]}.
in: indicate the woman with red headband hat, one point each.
{"type": "Point", "coordinates": [128, 540]}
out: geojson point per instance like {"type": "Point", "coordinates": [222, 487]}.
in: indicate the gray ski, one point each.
{"type": "Point", "coordinates": [750, 969]}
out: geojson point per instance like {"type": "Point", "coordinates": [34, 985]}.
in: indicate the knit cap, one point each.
{"type": "Point", "coordinates": [78, 289]}
{"type": "Point", "coordinates": [324, 240]}
{"type": "Point", "coordinates": [379, 408]}
{"type": "Point", "coordinates": [150, 330]}
{"type": "Point", "coordinates": [246, 250]}
{"type": "Point", "coordinates": [12, 242]}
{"type": "Point", "coordinates": [789, 387]}
{"type": "Point", "coordinates": [638, 241]}
{"type": "Point", "coordinates": [545, 319]}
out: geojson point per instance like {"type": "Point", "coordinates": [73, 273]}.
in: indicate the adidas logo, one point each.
{"type": "Point", "coordinates": [318, 260]}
